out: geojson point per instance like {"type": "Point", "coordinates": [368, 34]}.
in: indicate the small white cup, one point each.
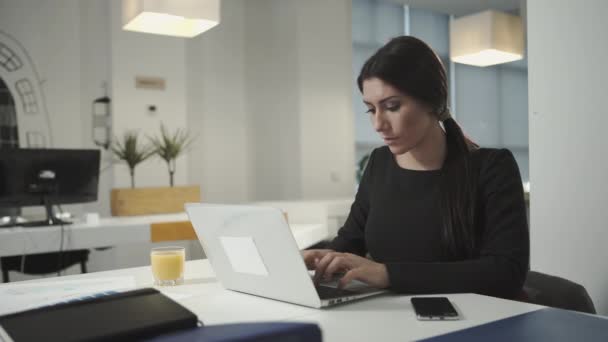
{"type": "Point", "coordinates": [91, 218]}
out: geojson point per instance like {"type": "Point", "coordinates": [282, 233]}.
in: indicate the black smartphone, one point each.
{"type": "Point", "coordinates": [434, 308]}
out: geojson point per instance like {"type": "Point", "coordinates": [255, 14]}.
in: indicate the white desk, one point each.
{"type": "Point", "coordinates": [384, 318]}
{"type": "Point", "coordinates": [111, 232]}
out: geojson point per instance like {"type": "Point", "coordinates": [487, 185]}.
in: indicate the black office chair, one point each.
{"type": "Point", "coordinates": [44, 263]}
{"type": "Point", "coordinates": [548, 290]}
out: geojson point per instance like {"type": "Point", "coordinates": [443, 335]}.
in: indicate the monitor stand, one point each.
{"type": "Point", "coordinates": [51, 219]}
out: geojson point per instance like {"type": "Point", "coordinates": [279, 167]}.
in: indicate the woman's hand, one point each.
{"type": "Point", "coordinates": [354, 267]}
{"type": "Point", "coordinates": [313, 256]}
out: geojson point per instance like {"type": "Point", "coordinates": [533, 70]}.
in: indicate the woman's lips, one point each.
{"type": "Point", "coordinates": [389, 140]}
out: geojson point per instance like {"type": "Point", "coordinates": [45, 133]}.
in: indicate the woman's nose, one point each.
{"type": "Point", "coordinates": [379, 121]}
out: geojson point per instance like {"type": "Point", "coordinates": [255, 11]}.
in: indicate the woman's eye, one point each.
{"type": "Point", "coordinates": [393, 107]}
{"type": "Point", "coordinates": [370, 111]}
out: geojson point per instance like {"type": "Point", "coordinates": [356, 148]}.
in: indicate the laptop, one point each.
{"type": "Point", "coordinates": [252, 250]}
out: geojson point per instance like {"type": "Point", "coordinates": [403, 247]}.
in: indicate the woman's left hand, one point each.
{"type": "Point", "coordinates": [354, 267]}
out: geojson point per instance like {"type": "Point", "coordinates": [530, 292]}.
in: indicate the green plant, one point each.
{"type": "Point", "coordinates": [170, 146]}
{"type": "Point", "coordinates": [129, 151]}
{"type": "Point", "coordinates": [361, 167]}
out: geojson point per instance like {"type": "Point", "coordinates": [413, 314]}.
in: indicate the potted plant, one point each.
{"type": "Point", "coordinates": [155, 200]}
{"type": "Point", "coordinates": [131, 152]}
{"type": "Point", "coordinates": [169, 147]}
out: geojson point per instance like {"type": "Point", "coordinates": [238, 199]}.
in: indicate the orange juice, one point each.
{"type": "Point", "coordinates": [168, 265]}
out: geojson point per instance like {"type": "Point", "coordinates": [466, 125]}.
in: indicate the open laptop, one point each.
{"type": "Point", "coordinates": [252, 250]}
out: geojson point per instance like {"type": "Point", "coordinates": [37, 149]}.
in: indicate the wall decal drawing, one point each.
{"type": "Point", "coordinates": [22, 85]}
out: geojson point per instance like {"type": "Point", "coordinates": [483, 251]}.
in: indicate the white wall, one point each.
{"type": "Point", "coordinates": [217, 110]}
{"type": "Point", "coordinates": [272, 78]}
{"type": "Point", "coordinates": [568, 118]}
{"type": "Point", "coordinates": [49, 31]}
{"type": "Point", "coordinates": [95, 47]}
{"type": "Point", "coordinates": [299, 99]}
{"type": "Point", "coordinates": [139, 54]}
{"type": "Point", "coordinates": [272, 102]}
{"type": "Point", "coordinates": [327, 130]}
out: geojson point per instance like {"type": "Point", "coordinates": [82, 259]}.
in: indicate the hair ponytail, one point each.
{"type": "Point", "coordinates": [458, 194]}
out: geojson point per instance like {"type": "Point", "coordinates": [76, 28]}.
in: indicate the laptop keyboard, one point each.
{"type": "Point", "coordinates": [326, 292]}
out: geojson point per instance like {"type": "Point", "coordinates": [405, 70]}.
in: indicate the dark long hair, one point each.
{"type": "Point", "coordinates": [411, 66]}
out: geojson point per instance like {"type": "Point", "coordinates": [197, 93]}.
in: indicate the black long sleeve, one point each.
{"type": "Point", "coordinates": [395, 217]}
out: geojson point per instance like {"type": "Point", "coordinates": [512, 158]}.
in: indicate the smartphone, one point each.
{"type": "Point", "coordinates": [434, 309]}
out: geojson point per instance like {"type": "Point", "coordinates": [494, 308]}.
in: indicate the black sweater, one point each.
{"type": "Point", "coordinates": [395, 218]}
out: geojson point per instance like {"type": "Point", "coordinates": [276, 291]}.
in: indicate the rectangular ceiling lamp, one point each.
{"type": "Point", "coordinates": [179, 18]}
{"type": "Point", "coordinates": [486, 38]}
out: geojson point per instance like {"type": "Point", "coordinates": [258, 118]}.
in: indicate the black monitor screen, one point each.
{"type": "Point", "coordinates": [62, 176]}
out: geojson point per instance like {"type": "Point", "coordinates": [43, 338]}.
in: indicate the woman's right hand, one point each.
{"type": "Point", "coordinates": [313, 256]}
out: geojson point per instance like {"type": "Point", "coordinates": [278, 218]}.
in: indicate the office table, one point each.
{"type": "Point", "coordinates": [113, 231]}
{"type": "Point", "coordinates": [382, 318]}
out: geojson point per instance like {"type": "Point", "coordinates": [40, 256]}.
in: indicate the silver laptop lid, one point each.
{"type": "Point", "coordinates": [252, 250]}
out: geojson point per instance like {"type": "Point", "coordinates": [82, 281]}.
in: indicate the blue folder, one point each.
{"type": "Point", "coordinates": [246, 332]}
{"type": "Point", "coordinates": [543, 325]}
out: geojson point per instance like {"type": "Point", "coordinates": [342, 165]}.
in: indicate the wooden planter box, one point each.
{"type": "Point", "coordinates": [149, 201]}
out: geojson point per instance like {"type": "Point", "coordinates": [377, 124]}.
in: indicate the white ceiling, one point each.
{"type": "Point", "coordinates": [463, 7]}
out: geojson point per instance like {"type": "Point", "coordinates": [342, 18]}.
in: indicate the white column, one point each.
{"type": "Point", "coordinates": [568, 69]}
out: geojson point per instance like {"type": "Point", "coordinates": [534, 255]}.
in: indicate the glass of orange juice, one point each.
{"type": "Point", "coordinates": [168, 265]}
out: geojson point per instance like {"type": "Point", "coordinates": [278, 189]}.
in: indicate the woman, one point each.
{"type": "Point", "coordinates": [435, 213]}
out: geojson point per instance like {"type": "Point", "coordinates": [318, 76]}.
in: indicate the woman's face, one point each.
{"type": "Point", "coordinates": [401, 121]}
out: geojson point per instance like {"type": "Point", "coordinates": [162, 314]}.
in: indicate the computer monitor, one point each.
{"type": "Point", "coordinates": [32, 177]}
